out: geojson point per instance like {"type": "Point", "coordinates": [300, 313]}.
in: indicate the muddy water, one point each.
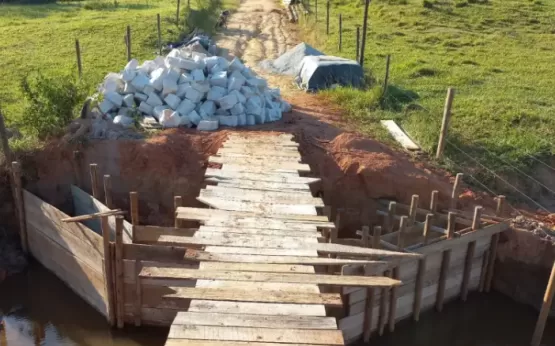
{"type": "Point", "coordinates": [38, 309]}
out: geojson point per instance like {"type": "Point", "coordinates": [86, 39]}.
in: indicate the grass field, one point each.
{"type": "Point", "coordinates": [498, 55]}
{"type": "Point", "coordinates": [41, 37]}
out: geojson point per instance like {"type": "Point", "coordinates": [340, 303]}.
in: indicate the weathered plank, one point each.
{"type": "Point", "coordinates": [301, 336]}
{"type": "Point", "coordinates": [260, 231]}
{"type": "Point", "coordinates": [262, 196]}
{"type": "Point", "coordinates": [284, 179]}
{"type": "Point", "coordinates": [226, 294]}
{"type": "Point", "coordinates": [258, 185]}
{"type": "Point", "coordinates": [399, 135]}
{"type": "Point", "coordinates": [265, 223]}
{"type": "Point", "coordinates": [259, 321]}
{"type": "Point", "coordinates": [148, 234]}
{"type": "Point", "coordinates": [258, 267]}
{"type": "Point", "coordinates": [187, 342]}
{"type": "Point", "coordinates": [301, 167]}
{"type": "Point", "coordinates": [317, 279]}
{"type": "Point", "coordinates": [264, 208]}
{"type": "Point", "coordinates": [262, 152]}
{"type": "Point", "coordinates": [257, 308]}
{"type": "Point", "coordinates": [264, 169]}
{"type": "Point", "coordinates": [258, 286]}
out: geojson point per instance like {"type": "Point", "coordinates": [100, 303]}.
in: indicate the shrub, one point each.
{"type": "Point", "coordinates": [427, 4]}
{"type": "Point", "coordinates": [52, 103]}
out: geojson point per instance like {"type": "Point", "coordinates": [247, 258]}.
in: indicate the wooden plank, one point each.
{"type": "Point", "coordinates": [264, 208]}
{"type": "Point", "coordinates": [258, 251]}
{"type": "Point", "coordinates": [302, 237]}
{"type": "Point", "coordinates": [187, 342]}
{"type": "Point", "coordinates": [268, 150]}
{"type": "Point", "coordinates": [257, 308]}
{"type": "Point", "coordinates": [301, 167]}
{"type": "Point", "coordinates": [261, 196]}
{"type": "Point", "coordinates": [259, 223]}
{"type": "Point", "coordinates": [258, 267]}
{"type": "Point", "coordinates": [201, 214]}
{"type": "Point", "coordinates": [317, 279]}
{"type": "Point", "coordinates": [259, 321]}
{"type": "Point", "coordinates": [108, 267]}
{"type": "Point", "coordinates": [301, 336]}
{"type": "Point", "coordinates": [224, 294]}
{"type": "Point", "coordinates": [262, 185]}
{"type": "Point", "coordinates": [284, 179]}
{"type": "Point", "coordinates": [258, 286]}
{"type": "Point", "coordinates": [260, 231]}
{"type": "Point", "coordinates": [147, 234]}
{"type": "Point", "coordinates": [262, 153]}
{"type": "Point", "coordinates": [120, 298]}
{"type": "Point", "coordinates": [399, 135]}
{"type": "Point", "coordinates": [86, 204]}
{"type": "Point", "coordinates": [263, 169]}
{"type": "Point", "coordinates": [93, 216]}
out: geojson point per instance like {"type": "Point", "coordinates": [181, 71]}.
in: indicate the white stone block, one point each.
{"type": "Point", "coordinates": [273, 115]}
{"type": "Point", "coordinates": [228, 101]}
{"type": "Point", "coordinates": [128, 75]}
{"type": "Point", "coordinates": [257, 82]}
{"type": "Point", "coordinates": [132, 65]}
{"type": "Point", "coordinates": [236, 65]}
{"type": "Point", "coordinates": [112, 83]}
{"type": "Point", "coordinates": [199, 59]}
{"type": "Point", "coordinates": [219, 79]}
{"type": "Point", "coordinates": [174, 53]}
{"type": "Point", "coordinates": [185, 107]}
{"type": "Point", "coordinates": [129, 88]}
{"type": "Point", "coordinates": [128, 100]}
{"type": "Point", "coordinates": [114, 97]}
{"type": "Point", "coordinates": [184, 121]}
{"type": "Point", "coordinates": [170, 119]}
{"type": "Point", "coordinates": [240, 97]}
{"type": "Point", "coordinates": [140, 96]}
{"type": "Point", "coordinates": [123, 120]}
{"type": "Point", "coordinates": [148, 89]}
{"type": "Point", "coordinates": [207, 125]}
{"type": "Point", "coordinates": [202, 86]}
{"type": "Point", "coordinates": [231, 120]}
{"type": "Point", "coordinates": [159, 61]}
{"type": "Point", "coordinates": [154, 100]}
{"type": "Point", "coordinates": [247, 91]}
{"type": "Point", "coordinates": [247, 73]}
{"type": "Point", "coordinates": [207, 109]}
{"type": "Point", "coordinates": [158, 111]}
{"type": "Point", "coordinates": [194, 117]}
{"type": "Point", "coordinates": [237, 109]}
{"type": "Point", "coordinates": [145, 108]}
{"type": "Point", "coordinates": [275, 92]}
{"type": "Point", "coordinates": [147, 67]}
{"type": "Point", "coordinates": [185, 78]}
{"type": "Point", "coordinates": [157, 78]}
{"type": "Point", "coordinates": [106, 106]}
{"type": "Point", "coordinates": [235, 83]}
{"type": "Point", "coordinates": [210, 62]}
{"type": "Point", "coordinates": [172, 101]}
{"type": "Point", "coordinates": [242, 119]}
{"type": "Point", "coordinates": [250, 120]}
{"type": "Point", "coordinates": [169, 86]}
{"type": "Point", "coordinates": [197, 74]}
{"type": "Point", "coordinates": [194, 95]}
{"type": "Point", "coordinates": [285, 107]}
{"type": "Point", "coordinates": [140, 81]}
{"type": "Point", "coordinates": [216, 69]}
{"type": "Point", "coordinates": [124, 111]}
{"type": "Point", "coordinates": [173, 74]}
{"type": "Point", "coordinates": [182, 89]}
{"type": "Point", "coordinates": [216, 93]}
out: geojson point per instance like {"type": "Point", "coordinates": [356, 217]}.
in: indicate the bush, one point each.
{"type": "Point", "coordinates": [427, 4]}
{"type": "Point", "coordinates": [52, 103]}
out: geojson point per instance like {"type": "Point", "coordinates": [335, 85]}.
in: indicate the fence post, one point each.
{"type": "Point", "coordinates": [78, 52]}
{"type": "Point", "coordinates": [386, 79]}
{"type": "Point", "coordinates": [364, 30]}
{"type": "Point", "coordinates": [358, 44]}
{"type": "Point", "coordinates": [20, 205]}
{"type": "Point", "coordinates": [544, 312]}
{"type": "Point", "coordinates": [177, 13]}
{"type": "Point", "coordinates": [94, 180]}
{"type": "Point", "coordinates": [128, 43]}
{"type": "Point", "coordinates": [456, 191]}
{"type": "Point", "coordinates": [340, 32]}
{"type": "Point", "coordinates": [445, 123]}
{"type": "Point", "coordinates": [328, 17]}
{"type": "Point", "coordinates": [159, 35]}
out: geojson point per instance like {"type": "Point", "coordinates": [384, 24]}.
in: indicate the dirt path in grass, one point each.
{"type": "Point", "coordinates": [258, 30]}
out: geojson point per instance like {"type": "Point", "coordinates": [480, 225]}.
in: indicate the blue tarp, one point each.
{"type": "Point", "coordinates": [323, 71]}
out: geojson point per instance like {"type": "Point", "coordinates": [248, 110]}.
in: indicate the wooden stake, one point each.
{"type": "Point", "coordinates": [177, 202]}
{"type": "Point", "coordinates": [159, 34]}
{"type": "Point", "coordinates": [456, 191]}
{"type": "Point", "coordinates": [328, 17]}
{"type": "Point", "coordinates": [365, 236]}
{"type": "Point", "coordinates": [20, 205]}
{"type": "Point", "coordinates": [403, 223]}
{"type": "Point", "coordinates": [120, 298]}
{"type": "Point", "coordinates": [108, 191]}
{"type": "Point", "coordinates": [393, 300]}
{"type": "Point", "coordinates": [470, 254]}
{"type": "Point", "coordinates": [78, 52]}
{"type": "Point", "coordinates": [433, 201]}
{"type": "Point", "coordinates": [340, 32]}
{"type": "Point", "coordinates": [386, 79]}
{"type": "Point", "coordinates": [546, 308]}
{"type": "Point", "coordinates": [391, 210]}
{"type": "Point", "coordinates": [376, 237]}
{"type": "Point", "coordinates": [93, 216]}
{"type": "Point", "coordinates": [177, 12]}
{"type": "Point", "coordinates": [427, 225]}
{"type": "Point", "coordinates": [451, 221]}
{"type": "Point", "coordinates": [94, 180]}
{"type": "Point", "coordinates": [138, 293]}
{"type": "Point", "coordinates": [134, 206]}
{"type": "Point", "coordinates": [128, 40]}
{"type": "Point", "coordinates": [4, 140]}
{"type": "Point", "coordinates": [494, 243]}
{"type": "Point", "coordinates": [412, 209]}
{"type": "Point", "coordinates": [364, 31]}
{"type": "Point", "coordinates": [445, 123]}
{"type": "Point", "coordinates": [109, 283]}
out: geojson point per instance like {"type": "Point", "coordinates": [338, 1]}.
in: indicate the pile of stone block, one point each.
{"type": "Point", "coordinates": [188, 88]}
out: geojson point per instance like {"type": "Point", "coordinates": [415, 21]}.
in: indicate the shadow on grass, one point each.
{"type": "Point", "coordinates": [396, 98]}
{"type": "Point", "coordinates": [36, 9]}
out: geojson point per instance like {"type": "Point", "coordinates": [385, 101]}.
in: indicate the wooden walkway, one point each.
{"type": "Point", "coordinates": [255, 284]}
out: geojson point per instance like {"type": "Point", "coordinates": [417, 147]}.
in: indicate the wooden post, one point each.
{"type": "Point", "coordinates": [76, 165]}
{"type": "Point", "coordinates": [128, 43]}
{"type": "Point", "coordinates": [412, 210]}
{"type": "Point", "coordinates": [390, 217]}
{"type": "Point", "coordinates": [134, 206]}
{"type": "Point", "coordinates": [159, 34]}
{"type": "Point", "coordinates": [358, 44]}
{"type": "Point", "coordinates": [403, 223]}
{"type": "Point", "coordinates": [433, 201]}
{"type": "Point", "coordinates": [4, 140]}
{"type": "Point", "coordinates": [177, 12]}
{"type": "Point", "coordinates": [427, 226]}
{"type": "Point", "coordinates": [340, 32]}
{"type": "Point", "coordinates": [445, 123]}
{"type": "Point", "coordinates": [546, 307]}
{"type": "Point", "coordinates": [108, 191]}
{"type": "Point", "coordinates": [494, 243]}
{"type": "Point", "coordinates": [109, 283]}
{"type": "Point", "coordinates": [470, 254]}
{"type": "Point", "coordinates": [328, 17]}
{"type": "Point", "coordinates": [386, 79]}
{"type": "Point", "coordinates": [456, 191]}
{"type": "Point", "coordinates": [393, 300]}
{"type": "Point", "coordinates": [365, 236]}
{"type": "Point", "coordinates": [94, 180]}
{"type": "Point", "coordinates": [177, 202]}
{"type": "Point", "coordinates": [138, 293]}
{"type": "Point", "coordinates": [120, 298]}
{"type": "Point", "coordinates": [364, 30]}
{"type": "Point", "coordinates": [20, 205]}
{"type": "Point", "coordinates": [376, 237]}
{"type": "Point", "coordinates": [78, 52]}
{"type": "Point", "coordinates": [445, 262]}
{"type": "Point", "coordinates": [370, 292]}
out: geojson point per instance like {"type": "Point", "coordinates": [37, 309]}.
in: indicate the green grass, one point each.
{"type": "Point", "coordinates": [498, 55]}
{"type": "Point", "coordinates": [41, 37]}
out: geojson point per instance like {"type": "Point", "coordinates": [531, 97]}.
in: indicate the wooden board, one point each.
{"type": "Point", "coordinates": [301, 336]}
{"type": "Point", "coordinates": [246, 295]}
{"type": "Point", "coordinates": [259, 223]}
{"type": "Point", "coordinates": [263, 169]}
{"type": "Point", "coordinates": [87, 204]}
{"type": "Point", "coordinates": [399, 135]}
{"type": "Point", "coordinates": [149, 234]}
{"type": "Point", "coordinates": [284, 179]}
{"type": "Point", "coordinates": [262, 196]}
{"type": "Point", "coordinates": [257, 308]}
{"type": "Point", "coordinates": [263, 208]}
{"type": "Point", "coordinates": [258, 267]}
{"type": "Point", "coordinates": [262, 236]}
{"type": "Point", "coordinates": [301, 167]}
{"type": "Point", "coordinates": [260, 231]}
{"type": "Point", "coordinates": [258, 286]}
{"type": "Point", "coordinates": [262, 185]}
{"type": "Point", "coordinates": [187, 342]}
{"type": "Point", "coordinates": [262, 152]}
{"type": "Point", "coordinates": [259, 321]}
{"type": "Point", "coordinates": [317, 279]}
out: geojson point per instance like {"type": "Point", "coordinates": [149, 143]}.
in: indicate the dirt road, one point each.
{"type": "Point", "coordinates": [258, 30]}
